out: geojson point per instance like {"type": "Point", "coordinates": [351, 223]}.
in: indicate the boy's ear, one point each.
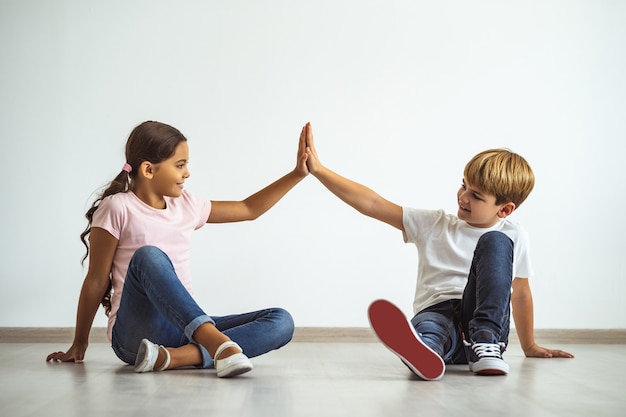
{"type": "Point", "coordinates": [146, 170]}
{"type": "Point", "coordinates": [506, 209]}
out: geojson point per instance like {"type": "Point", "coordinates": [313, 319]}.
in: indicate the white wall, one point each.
{"type": "Point", "coordinates": [400, 94]}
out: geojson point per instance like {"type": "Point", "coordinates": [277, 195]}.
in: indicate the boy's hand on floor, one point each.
{"type": "Point", "coordinates": [536, 351]}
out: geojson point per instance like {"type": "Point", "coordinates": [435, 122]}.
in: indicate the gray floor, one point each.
{"type": "Point", "coordinates": [313, 379]}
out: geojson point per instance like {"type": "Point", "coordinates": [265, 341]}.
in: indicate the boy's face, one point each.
{"type": "Point", "coordinates": [478, 208]}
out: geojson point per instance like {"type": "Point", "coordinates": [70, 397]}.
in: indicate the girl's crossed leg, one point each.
{"type": "Point", "coordinates": [156, 306]}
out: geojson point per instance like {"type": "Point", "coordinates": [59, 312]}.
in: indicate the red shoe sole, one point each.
{"type": "Point", "coordinates": [399, 336]}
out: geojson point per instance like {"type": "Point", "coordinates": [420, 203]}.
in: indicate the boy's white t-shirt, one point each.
{"type": "Point", "coordinates": [135, 224]}
{"type": "Point", "coordinates": [445, 246]}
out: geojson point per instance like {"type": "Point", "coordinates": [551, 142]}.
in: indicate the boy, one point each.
{"type": "Point", "coordinates": [468, 265]}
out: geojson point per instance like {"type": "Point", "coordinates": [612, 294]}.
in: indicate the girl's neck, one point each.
{"type": "Point", "coordinates": [150, 198]}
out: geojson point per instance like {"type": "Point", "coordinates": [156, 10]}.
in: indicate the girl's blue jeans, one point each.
{"type": "Point", "coordinates": [483, 314]}
{"type": "Point", "coordinates": [156, 306]}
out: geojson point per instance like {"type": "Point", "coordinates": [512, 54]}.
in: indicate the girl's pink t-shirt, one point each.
{"type": "Point", "coordinates": [135, 224]}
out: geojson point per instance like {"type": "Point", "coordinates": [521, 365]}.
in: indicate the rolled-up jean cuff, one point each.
{"type": "Point", "coordinates": [207, 361]}
{"type": "Point", "coordinates": [190, 329]}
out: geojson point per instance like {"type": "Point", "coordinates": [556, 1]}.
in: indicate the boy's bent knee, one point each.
{"type": "Point", "coordinates": [494, 240]}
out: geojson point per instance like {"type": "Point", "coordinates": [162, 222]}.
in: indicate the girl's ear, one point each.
{"type": "Point", "coordinates": [146, 170]}
{"type": "Point", "coordinates": [506, 209]}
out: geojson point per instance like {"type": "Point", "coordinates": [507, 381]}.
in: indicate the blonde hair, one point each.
{"type": "Point", "coordinates": [502, 173]}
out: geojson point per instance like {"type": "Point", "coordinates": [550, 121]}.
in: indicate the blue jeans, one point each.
{"type": "Point", "coordinates": [483, 314]}
{"type": "Point", "coordinates": [156, 306]}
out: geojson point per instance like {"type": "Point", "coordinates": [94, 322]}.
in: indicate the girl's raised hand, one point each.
{"type": "Point", "coordinates": [312, 161]}
{"type": "Point", "coordinates": [301, 166]}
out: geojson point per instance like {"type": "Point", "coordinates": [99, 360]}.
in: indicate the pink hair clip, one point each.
{"type": "Point", "coordinates": [127, 167]}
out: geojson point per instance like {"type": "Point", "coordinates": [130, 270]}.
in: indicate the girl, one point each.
{"type": "Point", "coordinates": [139, 236]}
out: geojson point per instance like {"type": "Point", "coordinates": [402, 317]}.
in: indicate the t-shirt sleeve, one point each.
{"type": "Point", "coordinates": [109, 216]}
{"type": "Point", "coordinates": [523, 266]}
{"type": "Point", "coordinates": [202, 208]}
{"type": "Point", "coordinates": [418, 222]}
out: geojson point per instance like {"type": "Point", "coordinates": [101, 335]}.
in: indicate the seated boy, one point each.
{"type": "Point", "coordinates": [472, 268]}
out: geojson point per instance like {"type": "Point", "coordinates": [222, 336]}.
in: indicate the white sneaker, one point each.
{"type": "Point", "coordinates": [488, 359]}
{"type": "Point", "coordinates": [147, 356]}
{"type": "Point", "coordinates": [233, 365]}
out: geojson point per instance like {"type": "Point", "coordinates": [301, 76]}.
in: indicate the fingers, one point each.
{"type": "Point", "coordinates": [308, 152]}
{"type": "Point", "coordinates": [309, 136]}
{"type": "Point", "coordinates": [302, 143]}
{"type": "Point", "coordinates": [56, 357]}
{"type": "Point", "coordinates": [304, 137]}
{"type": "Point", "coordinates": [301, 165]}
{"type": "Point", "coordinates": [560, 354]}
{"type": "Point", "coordinates": [549, 353]}
{"type": "Point", "coordinates": [63, 357]}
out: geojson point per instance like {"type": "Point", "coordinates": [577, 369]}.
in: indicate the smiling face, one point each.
{"type": "Point", "coordinates": [170, 174]}
{"type": "Point", "coordinates": [478, 208]}
{"type": "Point", "coordinates": [154, 181]}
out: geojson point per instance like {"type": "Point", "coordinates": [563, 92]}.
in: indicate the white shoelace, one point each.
{"type": "Point", "coordinates": [484, 350]}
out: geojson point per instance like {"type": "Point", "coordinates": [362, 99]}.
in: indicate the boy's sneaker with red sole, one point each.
{"type": "Point", "coordinates": [398, 335]}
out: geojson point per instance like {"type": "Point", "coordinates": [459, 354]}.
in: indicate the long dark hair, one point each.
{"type": "Point", "coordinates": [150, 141]}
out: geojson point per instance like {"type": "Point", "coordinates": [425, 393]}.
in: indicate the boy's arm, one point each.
{"type": "Point", "coordinates": [363, 199]}
{"type": "Point", "coordinates": [522, 306]}
{"type": "Point", "coordinates": [261, 201]}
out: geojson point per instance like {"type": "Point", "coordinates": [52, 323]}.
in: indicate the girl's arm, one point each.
{"type": "Point", "coordinates": [522, 306]}
{"type": "Point", "coordinates": [102, 246]}
{"type": "Point", "coordinates": [363, 199]}
{"type": "Point", "coordinates": [261, 201]}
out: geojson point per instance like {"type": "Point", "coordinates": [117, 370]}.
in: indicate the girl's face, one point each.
{"type": "Point", "coordinates": [478, 208]}
{"type": "Point", "coordinates": [171, 173]}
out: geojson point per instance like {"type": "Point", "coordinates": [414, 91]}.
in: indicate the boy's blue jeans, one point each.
{"type": "Point", "coordinates": [483, 314]}
{"type": "Point", "coordinates": [156, 306]}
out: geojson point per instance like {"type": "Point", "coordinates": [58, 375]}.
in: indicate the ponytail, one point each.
{"type": "Point", "coordinates": [120, 184]}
